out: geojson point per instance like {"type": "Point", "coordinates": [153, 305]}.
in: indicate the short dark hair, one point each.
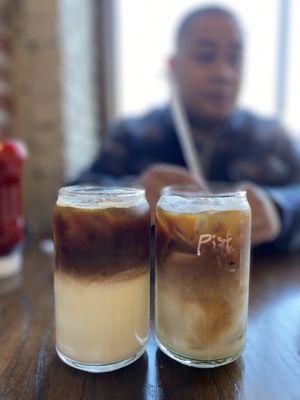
{"type": "Point", "coordinates": [186, 22]}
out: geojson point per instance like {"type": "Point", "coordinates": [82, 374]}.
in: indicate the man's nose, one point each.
{"type": "Point", "coordinates": [223, 71]}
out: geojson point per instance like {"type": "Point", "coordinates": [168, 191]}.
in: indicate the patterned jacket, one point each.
{"type": "Point", "coordinates": [245, 148]}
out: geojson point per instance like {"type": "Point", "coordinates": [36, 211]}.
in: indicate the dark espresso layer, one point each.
{"type": "Point", "coordinates": [101, 242]}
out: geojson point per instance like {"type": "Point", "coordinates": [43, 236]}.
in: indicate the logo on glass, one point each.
{"type": "Point", "coordinates": [218, 242]}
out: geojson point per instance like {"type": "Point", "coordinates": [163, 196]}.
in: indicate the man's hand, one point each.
{"type": "Point", "coordinates": [266, 223]}
{"type": "Point", "coordinates": [158, 176]}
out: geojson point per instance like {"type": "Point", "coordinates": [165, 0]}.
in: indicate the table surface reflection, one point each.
{"type": "Point", "coordinates": [268, 370]}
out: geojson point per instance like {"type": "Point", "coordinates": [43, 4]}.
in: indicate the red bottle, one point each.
{"type": "Point", "coordinates": [12, 156]}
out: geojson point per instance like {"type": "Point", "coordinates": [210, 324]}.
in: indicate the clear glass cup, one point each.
{"type": "Point", "coordinates": [101, 276]}
{"type": "Point", "coordinates": [202, 276]}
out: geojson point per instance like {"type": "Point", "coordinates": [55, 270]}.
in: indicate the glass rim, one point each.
{"type": "Point", "coordinates": [90, 190]}
{"type": "Point", "coordinates": [97, 196]}
{"type": "Point", "coordinates": [177, 191]}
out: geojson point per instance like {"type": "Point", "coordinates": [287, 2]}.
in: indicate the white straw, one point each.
{"type": "Point", "coordinates": [183, 130]}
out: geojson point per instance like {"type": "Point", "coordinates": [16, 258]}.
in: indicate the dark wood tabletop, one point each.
{"type": "Point", "coordinates": [268, 370]}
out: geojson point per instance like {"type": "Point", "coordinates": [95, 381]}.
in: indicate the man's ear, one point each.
{"type": "Point", "coordinates": [172, 64]}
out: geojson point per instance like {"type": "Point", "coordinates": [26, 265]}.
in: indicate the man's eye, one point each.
{"type": "Point", "coordinates": [235, 59]}
{"type": "Point", "coordinates": [205, 58]}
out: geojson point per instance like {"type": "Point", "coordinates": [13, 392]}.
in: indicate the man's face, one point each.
{"type": "Point", "coordinates": [208, 66]}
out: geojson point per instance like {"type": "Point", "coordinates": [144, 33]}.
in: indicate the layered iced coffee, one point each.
{"type": "Point", "coordinates": [202, 276]}
{"type": "Point", "coordinates": [101, 276]}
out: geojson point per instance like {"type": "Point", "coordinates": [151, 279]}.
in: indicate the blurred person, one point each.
{"type": "Point", "coordinates": [233, 145]}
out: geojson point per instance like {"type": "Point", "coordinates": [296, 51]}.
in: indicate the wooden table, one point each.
{"type": "Point", "coordinates": [268, 370]}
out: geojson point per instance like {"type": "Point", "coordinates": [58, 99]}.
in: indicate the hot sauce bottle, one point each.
{"type": "Point", "coordinates": [12, 156]}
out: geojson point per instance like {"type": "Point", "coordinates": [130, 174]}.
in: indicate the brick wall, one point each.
{"type": "Point", "coordinates": [36, 113]}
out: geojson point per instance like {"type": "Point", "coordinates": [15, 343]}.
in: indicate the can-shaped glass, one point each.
{"type": "Point", "coordinates": [202, 276]}
{"type": "Point", "coordinates": [101, 276]}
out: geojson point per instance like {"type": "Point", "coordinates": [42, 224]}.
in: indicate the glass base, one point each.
{"type": "Point", "coordinates": [197, 363]}
{"type": "Point", "coordinates": [98, 368]}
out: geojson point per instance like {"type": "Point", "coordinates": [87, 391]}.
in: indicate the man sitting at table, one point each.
{"type": "Point", "coordinates": [232, 145]}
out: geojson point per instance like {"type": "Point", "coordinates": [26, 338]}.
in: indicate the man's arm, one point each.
{"type": "Point", "coordinates": [131, 146]}
{"type": "Point", "coordinates": [112, 165]}
{"type": "Point", "coordinates": [286, 198]}
{"type": "Point", "coordinates": [287, 201]}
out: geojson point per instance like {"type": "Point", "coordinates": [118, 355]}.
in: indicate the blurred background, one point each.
{"type": "Point", "coordinates": [69, 67]}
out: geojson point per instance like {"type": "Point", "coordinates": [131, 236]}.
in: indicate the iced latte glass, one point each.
{"type": "Point", "coordinates": [202, 276]}
{"type": "Point", "coordinates": [101, 277]}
